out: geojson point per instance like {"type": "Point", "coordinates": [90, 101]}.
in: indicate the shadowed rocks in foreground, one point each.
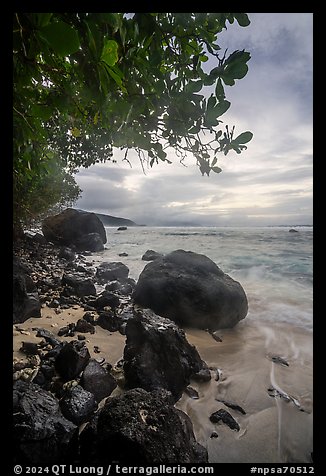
{"type": "Point", "coordinates": [142, 427]}
{"type": "Point", "coordinates": [42, 435]}
{"type": "Point", "coordinates": [192, 290]}
{"type": "Point", "coordinates": [158, 355]}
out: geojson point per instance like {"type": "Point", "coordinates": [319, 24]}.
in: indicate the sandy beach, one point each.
{"type": "Point", "coordinates": [273, 429]}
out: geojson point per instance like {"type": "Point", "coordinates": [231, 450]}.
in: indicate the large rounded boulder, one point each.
{"type": "Point", "coordinates": [82, 229]}
{"type": "Point", "coordinates": [190, 289]}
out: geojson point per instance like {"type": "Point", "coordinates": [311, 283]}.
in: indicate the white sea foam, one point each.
{"type": "Point", "coordinates": [273, 265]}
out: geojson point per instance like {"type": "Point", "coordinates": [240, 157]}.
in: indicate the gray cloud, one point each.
{"type": "Point", "coordinates": [271, 182]}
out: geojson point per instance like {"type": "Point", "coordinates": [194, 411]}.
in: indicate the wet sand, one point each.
{"type": "Point", "coordinates": [273, 430]}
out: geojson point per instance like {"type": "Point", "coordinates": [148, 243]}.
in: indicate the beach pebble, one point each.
{"type": "Point", "coordinates": [278, 360]}
{"type": "Point", "coordinates": [214, 435]}
{"type": "Point", "coordinates": [224, 417]}
{"type": "Point", "coordinates": [29, 348]}
{"type": "Point", "coordinates": [192, 393]}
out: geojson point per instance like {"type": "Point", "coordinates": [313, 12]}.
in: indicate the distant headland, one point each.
{"type": "Point", "coordinates": [109, 220]}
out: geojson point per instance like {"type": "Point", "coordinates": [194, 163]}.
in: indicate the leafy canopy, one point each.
{"type": "Point", "coordinates": [85, 83]}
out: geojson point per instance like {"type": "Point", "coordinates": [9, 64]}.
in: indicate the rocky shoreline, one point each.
{"type": "Point", "coordinates": [59, 388]}
{"type": "Point", "coordinates": [99, 378]}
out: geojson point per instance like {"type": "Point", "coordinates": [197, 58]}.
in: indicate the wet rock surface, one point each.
{"type": "Point", "coordinates": [71, 360]}
{"type": "Point", "coordinates": [63, 278]}
{"type": "Point", "coordinates": [137, 427]}
{"type": "Point", "coordinates": [78, 405]}
{"type": "Point", "coordinates": [97, 380]}
{"type": "Point", "coordinates": [26, 301]}
{"type": "Point", "coordinates": [151, 255]}
{"type": "Point", "coordinates": [42, 435]}
{"type": "Point", "coordinates": [112, 271]}
{"type": "Point", "coordinates": [81, 286]}
{"type": "Point", "coordinates": [191, 290]}
{"type": "Point", "coordinates": [158, 355]}
{"type": "Point", "coordinates": [223, 416]}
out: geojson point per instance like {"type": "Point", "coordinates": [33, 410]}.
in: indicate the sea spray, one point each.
{"type": "Point", "coordinates": [274, 267]}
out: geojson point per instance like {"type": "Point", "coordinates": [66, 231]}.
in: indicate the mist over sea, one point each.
{"type": "Point", "coordinates": [273, 265]}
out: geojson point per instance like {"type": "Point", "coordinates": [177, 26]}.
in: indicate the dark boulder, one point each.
{"type": "Point", "coordinates": [41, 434]}
{"type": "Point", "coordinates": [48, 336]}
{"type": "Point", "coordinates": [151, 255]}
{"type": "Point", "coordinates": [26, 301]}
{"type": "Point", "coordinates": [123, 288]}
{"type": "Point", "coordinates": [90, 242]}
{"type": "Point", "coordinates": [112, 271]}
{"type": "Point", "coordinates": [72, 359]}
{"type": "Point", "coordinates": [192, 290]}
{"type": "Point", "coordinates": [139, 427]}
{"type": "Point", "coordinates": [122, 228]}
{"type": "Point", "coordinates": [97, 380]}
{"type": "Point", "coordinates": [158, 355]}
{"type": "Point", "coordinates": [84, 326]}
{"type": "Point", "coordinates": [35, 237]}
{"type": "Point", "coordinates": [109, 321]}
{"type": "Point", "coordinates": [105, 299]}
{"type": "Point", "coordinates": [292, 230]}
{"type": "Point", "coordinates": [78, 405]}
{"type": "Point", "coordinates": [82, 286]}
{"type": "Point", "coordinates": [67, 253]}
{"type": "Point", "coordinates": [69, 226]}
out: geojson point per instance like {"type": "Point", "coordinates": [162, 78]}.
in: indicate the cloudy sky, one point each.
{"type": "Point", "coordinates": [268, 184]}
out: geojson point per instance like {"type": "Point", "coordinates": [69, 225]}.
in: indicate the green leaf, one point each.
{"type": "Point", "coordinates": [61, 37]}
{"type": "Point", "coordinates": [243, 138]}
{"type": "Point", "coordinates": [42, 19]}
{"type": "Point", "coordinates": [195, 129]}
{"type": "Point", "coordinates": [217, 170]}
{"type": "Point", "coordinates": [42, 112]}
{"type": "Point", "coordinates": [242, 19]}
{"type": "Point", "coordinates": [116, 77]}
{"type": "Point", "coordinates": [236, 71]}
{"type": "Point", "coordinates": [194, 86]}
{"type": "Point", "coordinates": [110, 52]}
{"type": "Point", "coordinates": [219, 90]}
{"type": "Point", "coordinates": [214, 161]}
{"type": "Point", "coordinates": [221, 108]}
{"type": "Point", "coordinates": [213, 113]}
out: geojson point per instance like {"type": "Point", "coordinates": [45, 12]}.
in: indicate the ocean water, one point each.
{"type": "Point", "coordinates": [273, 265]}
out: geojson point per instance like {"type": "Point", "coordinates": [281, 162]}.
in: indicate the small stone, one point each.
{"type": "Point", "coordinates": [203, 375]}
{"type": "Point", "coordinates": [214, 435]}
{"type": "Point", "coordinates": [84, 326]}
{"type": "Point", "coordinates": [96, 349]}
{"type": "Point", "coordinates": [192, 393]}
{"type": "Point", "coordinates": [29, 348]}
{"type": "Point", "coordinates": [81, 337]}
{"type": "Point", "coordinates": [278, 360]}
{"type": "Point", "coordinates": [216, 337]}
{"type": "Point", "coordinates": [225, 417]}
